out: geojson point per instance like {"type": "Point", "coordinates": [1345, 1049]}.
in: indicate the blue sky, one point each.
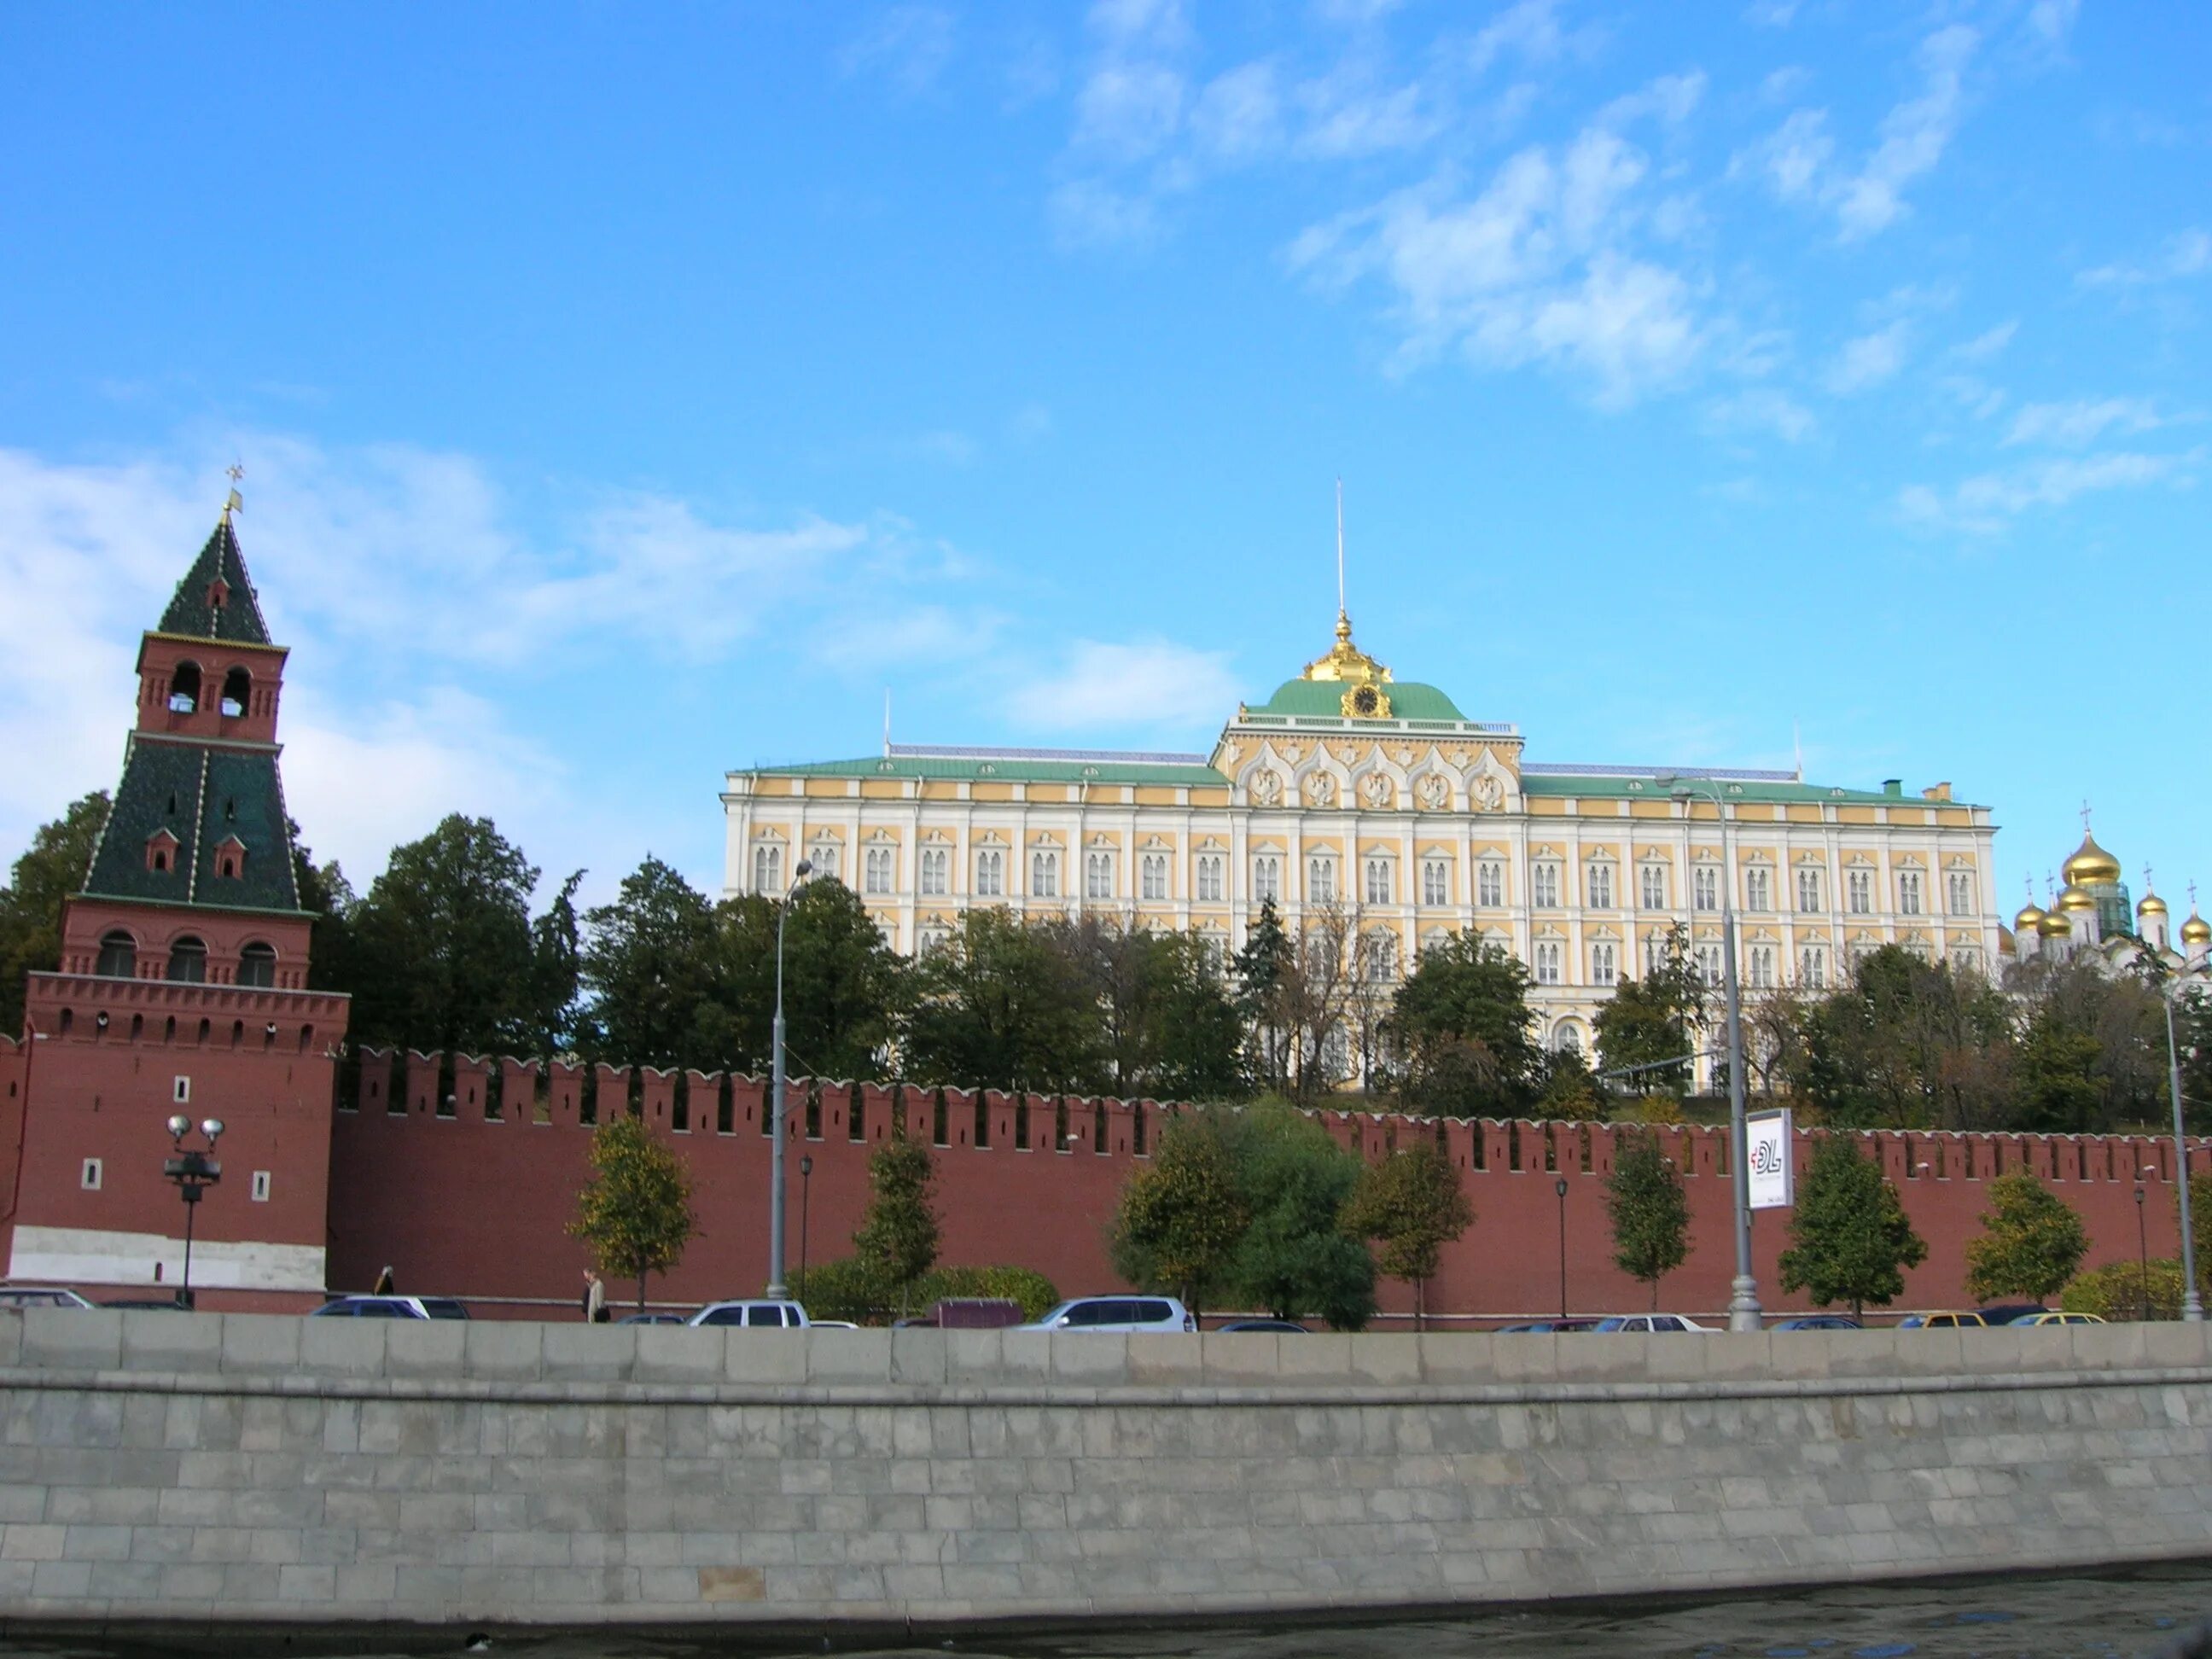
{"type": "Point", "coordinates": [629, 393]}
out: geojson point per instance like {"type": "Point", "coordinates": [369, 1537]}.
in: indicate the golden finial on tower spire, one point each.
{"type": "Point", "coordinates": [234, 503]}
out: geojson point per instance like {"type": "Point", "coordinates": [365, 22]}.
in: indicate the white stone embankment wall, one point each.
{"type": "Point", "coordinates": [163, 1467]}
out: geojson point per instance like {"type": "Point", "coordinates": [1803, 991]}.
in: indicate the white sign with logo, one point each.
{"type": "Point", "coordinates": [1767, 1141]}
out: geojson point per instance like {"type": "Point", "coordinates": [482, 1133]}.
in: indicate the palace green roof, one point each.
{"type": "Point", "coordinates": [1600, 783]}
{"type": "Point", "coordinates": [238, 619]}
{"type": "Point", "coordinates": [1409, 700]}
{"type": "Point", "coordinates": [1013, 766]}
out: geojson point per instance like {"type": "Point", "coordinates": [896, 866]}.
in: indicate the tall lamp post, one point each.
{"type": "Point", "coordinates": [2192, 1305]}
{"type": "Point", "coordinates": [2143, 1257]}
{"type": "Point", "coordinates": [805, 1185]}
{"type": "Point", "coordinates": [777, 1290]}
{"type": "Point", "coordinates": [1743, 1303]}
{"type": "Point", "coordinates": [194, 1172]}
{"type": "Point", "coordinates": [1559, 1186]}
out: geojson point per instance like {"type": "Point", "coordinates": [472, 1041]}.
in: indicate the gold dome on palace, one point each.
{"type": "Point", "coordinates": [2090, 865]}
{"type": "Point", "coordinates": [2074, 897]}
{"type": "Point", "coordinates": [2196, 930]}
{"type": "Point", "coordinates": [2152, 905]}
{"type": "Point", "coordinates": [2030, 914]}
{"type": "Point", "coordinates": [2055, 926]}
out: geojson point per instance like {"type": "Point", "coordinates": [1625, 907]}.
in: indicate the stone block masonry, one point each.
{"type": "Point", "coordinates": [158, 1466]}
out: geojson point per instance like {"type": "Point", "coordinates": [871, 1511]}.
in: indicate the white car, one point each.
{"type": "Point", "coordinates": [1121, 1314]}
{"type": "Point", "coordinates": [39, 1296]}
{"type": "Point", "coordinates": [1651, 1322]}
{"type": "Point", "coordinates": [755, 1314]}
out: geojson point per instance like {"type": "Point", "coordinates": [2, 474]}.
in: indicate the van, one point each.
{"type": "Point", "coordinates": [753, 1315]}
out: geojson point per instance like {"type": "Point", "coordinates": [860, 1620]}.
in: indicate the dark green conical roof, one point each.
{"type": "Point", "coordinates": [193, 611]}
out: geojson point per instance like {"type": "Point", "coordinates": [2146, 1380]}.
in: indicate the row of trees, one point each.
{"type": "Point", "coordinates": [451, 948]}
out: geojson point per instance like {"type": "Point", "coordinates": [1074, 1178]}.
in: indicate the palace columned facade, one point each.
{"type": "Point", "coordinates": [1351, 792]}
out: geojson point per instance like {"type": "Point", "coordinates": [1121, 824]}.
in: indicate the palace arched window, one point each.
{"type": "Point", "coordinates": [1655, 886]}
{"type": "Point", "coordinates": [184, 689]}
{"type": "Point", "coordinates": [1321, 880]}
{"type": "Point", "coordinates": [1267, 879]}
{"type": "Point", "coordinates": [1490, 884]}
{"type": "Point", "coordinates": [1908, 893]}
{"type": "Point", "coordinates": [237, 692]}
{"type": "Point", "coordinates": [1098, 876]}
{"type": "Point", "coordinates": [1435, 882]}
{"type": "Point", "coordinates": [1548, 964]}
{"type": "Point", "coordinates": [1808, 890]}
{"type": "Point", "coordinates": [768, 869]}
{"type": "Point", "coordinates": [1858, 884]}
{"type": "Point", "coordinates": [991, 873]}
{"type": "Point", "coordinates": [1045, 875]}
{"type": "Point", "coordinates": [256, 966]}
{"type": "Point", "coordinates": [936, 872]}
{"type": "Point", "coordinates": [1758, 890]}
{"type": "Point", "coordinates": [823, 855]}
{"type": "Point", "coordinates": [118, 956]}
{"type": "Point", "coordinates": [1961, 893]}
{"type": "Point", "coordinates": [1599, 884]}
{"type": "Point", "coordinates": [1605, 964]}
{"type": "Point", "coordinates": [878, 876]}
{"type": "Point", "coordinates": [1705, 888]}
{"type": "Point", "coordinates": [188, 961]}
{"type": "Point", "coordinates": [1378, 881]}
{"type": "Point", "coordinates": [1209, 877]}
{"type": "Point", "coordinates": [1812, 968]}
{"type": "Point", "coordinates": [1153, 876]}
{"type": "Point", "coordinates": [1544, 883]}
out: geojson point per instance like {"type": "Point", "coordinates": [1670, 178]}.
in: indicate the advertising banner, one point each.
{"type": "Point", "coordinates": [1766, 1154]}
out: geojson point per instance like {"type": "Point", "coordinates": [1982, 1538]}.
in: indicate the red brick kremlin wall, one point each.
{"type": "Point", "coordinates": [458, 1202]}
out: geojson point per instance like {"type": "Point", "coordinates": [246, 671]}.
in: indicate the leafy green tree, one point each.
{"type": "Point", "coordinates": [445, 956]}
{"type": "Point", "coordinates": [1659, 1019]}
{"type": "Point", "coordinates": [897, 1239]}
{"type": "Point", "coordinates": [1293, 1180]}
{"type": "Point", "coordinates": [1908, 1044]}
{"type": "Point", "coordinates": [1853, 1240]}
{"type": "Point", "coordinates": [648, 959]}
{"type": "Point", "coordinates": [1411, 1204]}
{"type": "Point", "coordinates": [2057, 1091]}
{"type": "Point", "coordinates": [1193, 1050]}
{"type": "Point", "coordinates": [1263, 970]}
{"type": "Point", "coordinates": [2032, 1241]}
{"type": "Point", "coordinates": [1650, 1210]}
{"type": "Point", "coordinates": [1182, 1215]}
{"type": "Point", "coordinates": [1463, 1021]}
{"type": "Point", "coordinates": [51, 869]}
{"type": "Point", "coordinates": [1568, 1090]}
{"type": "Point", "coordinates": [844, 988]}
{"type": "Point", "coordinates": [636, 1213]}
{"type": "Point", "coordinates": [1003, 1004]}
{"type": "Point", "coordinates": [556, 972]}
{"type": "Point", "coordinates": [333, 955]}
{"type": "Point", "coordinates": [2127, 1289]}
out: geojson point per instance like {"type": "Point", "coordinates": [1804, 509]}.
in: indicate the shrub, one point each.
{"type": "Point", "coordinates": [851, 1288]}
{"type": "Point", "coordinates": [1023, 1284]}
{"type": "Point", "coordinates": [2115, 1291]}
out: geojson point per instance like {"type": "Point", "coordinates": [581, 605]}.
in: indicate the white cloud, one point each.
{"type": "Point", "coordinates": [2080, 423]}
{"type": "Point", "coordinates": [1988, 343]}
{"type": "Point", "coordinates": [1238, 115]}
{"type": "Point", "coordinates": [1669, 98]}
{"type": "Point", "coordinates": [1086, 213]}
{"type": "Point", "coordinates": [1869, 361]}
{"type": "Point", "coordinates": [1781, 85]}
{"type": "Point", "coordinates": [1150, 681]}
{"type": "Point", "coordinates": [1793, 158]}
{"type": "Point", "coordinates": [1529, 30]}
{"type": "Point", "coordinates": [1346, 118]}
{"type": "Point", "coordinates": [1989, 502]}
{"type": "Point", "coordinates": [1772, 13]}
{"type": "Point", "coordinates": [1762, 409]}
{"type": "Point", "coordinates": [1129, 110]}
{"type": "Point", "coordinates": [2188, 254]}
{"type": "Point", "coordinates": [908, 45]}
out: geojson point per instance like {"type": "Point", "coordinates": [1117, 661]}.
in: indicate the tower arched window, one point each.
{"type": "Point", "coordinates": [188, 961]}
{"type": "Point", "coordinates": [184, 689]}
{"type": "Point", "coordinates": [237, 692]}
{"type": "Point", "coordinates": [256, 966]}
{"type": "Point", "coordinates": [118, 956]}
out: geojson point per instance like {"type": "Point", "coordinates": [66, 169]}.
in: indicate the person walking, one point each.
{"type": "Point", "coordinates": [595, 1299]}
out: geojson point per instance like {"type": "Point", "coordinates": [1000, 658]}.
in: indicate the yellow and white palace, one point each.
{"type": "Point", "coordinates": [1375, 800]}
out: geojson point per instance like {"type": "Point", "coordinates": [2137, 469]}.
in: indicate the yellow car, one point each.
{"type": "Point", "coordinates": [2060, 1319]}
{"type": "Point", "coordinates": [1941, 1321]}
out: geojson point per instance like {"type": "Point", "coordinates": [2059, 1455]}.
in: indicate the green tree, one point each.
{"type": "Point", "coordinates": [1182, 1215]}
{"type": "Point", "coordinates": [897, 1239]}
{"type": "Point", "coordinates": [1568, 1090]}
{"type": "Point", "coordinates": [1411, 1204]}
{"type": "Point", "coordinates": [1650, 1210]}
{"type": "Point", "coordinates": [1194, 1048]}
{"type": "Point", "coordinates": [2032, 1241]}
{"type": "Point", "coordinates": [1907, 1044]}
{"type": "Point", "coordinates": [636, 1213]}
{"type": "Point", "coordinates": [51, 869]}
{"type": "Point", "coordinates": [2127, 1289]}
{"type": "Point", "coordinates": [1853, 1237]}
{"type": "Point", "coordinates": [328, 896]}
{"type": "Point", "coordinates": [1004, 1005]}
{"type": "Point", "coordinates": [1655, 1020]}
{"type": "Point", "coordinates": [844, 988]}
{"type": "Point", "coordinates": [1463, 1022]}
{"type": "Point", "coordinates": [1263, 970]}
{"type": "Point", "coordinates": [1294, 1258]}
{"type": "Point", "coordinates": [556, 972]}
{"type": "Point", "coordinates": [2057, 1089]}
{"type": "Point", "coordinates": [648, 959]}
{"type": "Point", "coordinates": [444, 957]}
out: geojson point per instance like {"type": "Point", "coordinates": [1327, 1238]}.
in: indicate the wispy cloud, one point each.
{"type": "Point", "coordinates": [2080, 423]}
{"type": "Point", "coordinates": [1987, 503]}
{"type": "Point", "coordinates": [1762, 409]}
{"type": "Point", "coordinates": [1100, 684]}
{"type": "Point", "coordinates": [2188, 254]}
{"type": "Point", "coordinates": [907, 45]}
{"type": "Point", "coordinates": [1868, 361]}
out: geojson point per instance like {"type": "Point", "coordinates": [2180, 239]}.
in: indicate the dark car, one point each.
{"type": "Point", "coordinates": [1817, 1322]}
{"type": "Point", "coordinates": [1263, 1325]}
{"type": "Point", "coordinates": [1542, 1325]}
{"type": "Point", "coordinates": [2009, 1313]}
{"type": "Point", "coordinates": [391, 1307]}
{"type": "Point", "coordinates": [655, 1319]}
{"type": "Point", "coordinates": [167, 1304]}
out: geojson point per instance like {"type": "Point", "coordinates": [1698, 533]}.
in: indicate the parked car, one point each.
{"type": "Point", "coordinates": [1817, 1322]}
{"type": "Point", "coordinates": [1116, 1313]}
{"type": "Point", "coordinates": [1264, 1325]}
{"type": "Point", "coordinates": [166, 1304]}
{"type": "Point", "coordinates": [976, 1313]}
{"type": "Point", "coordinates": [40, 1295]}
{"type": "Point", "coordinates": [655, 1319]}
{"type": "Point", "coordinates": [1650, 1322]}
{"type": "Point", "coordinates": [2010, 1313]}
{"type": "Point", "coordinates": [1940, 1321]}
{"type": "Point", "coordinates": [2058, 1319]}
{"type": "Point", "coordinates": [1542, 1325]}
{"type": "Point", "coordinates": [391, 1307]}
{"type": "Point", "coordinates": [753, 1315]}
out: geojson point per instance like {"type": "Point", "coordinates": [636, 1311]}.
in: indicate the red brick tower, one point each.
{"type": "Point", "coordinates": [182, 989]}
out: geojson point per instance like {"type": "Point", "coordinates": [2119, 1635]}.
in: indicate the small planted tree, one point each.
{"type": "Point", "coordinates": [1853, 1238]}
{"type": "Point", "coordinates": [897, 1240]}
{"type": "Point", "coordinates": [2032, 1241]}
{"type": "Point", "coordinates": [636, 1214]}
{"type": "Point", "coordinates": [1411, 1206]}
{"type": "Point", "coordinates": [1183, 1216]}
{"type": "Point", "coordinates": [1650, 1210]}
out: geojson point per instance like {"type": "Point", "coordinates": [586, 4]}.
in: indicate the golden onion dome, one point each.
{"type": "Point", "coordinates": [2196, 930]}
{"type": "Point", "coordinates": [2030, 914]}
{"type": "Point", "coordinates": [2152, 905]}
{"type": "Point", "coordinates": [2074, 897]}
{"type": "Point", "coordinates": [2090, 865]}
{"type": "Point", "coordinates": [2055, 926]}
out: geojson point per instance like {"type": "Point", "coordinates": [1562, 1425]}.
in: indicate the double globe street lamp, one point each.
{"type": "Point", "coordinates": [194, 1170]}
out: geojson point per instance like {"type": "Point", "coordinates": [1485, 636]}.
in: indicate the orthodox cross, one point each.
{"type": "Point", "coordinates": [234, 503]}
{"type": "Point", "coordinates": [2085, 817]}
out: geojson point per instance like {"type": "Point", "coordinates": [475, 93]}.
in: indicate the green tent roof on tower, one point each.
{"type": "Point", "coordinates": [216, 600]}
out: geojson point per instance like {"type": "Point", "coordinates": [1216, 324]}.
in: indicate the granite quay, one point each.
{"type": "Point", "coordinates": [162, 1467]}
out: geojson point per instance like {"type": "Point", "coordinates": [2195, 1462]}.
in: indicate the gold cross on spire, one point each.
{"type": "Point", "coordinates": [234, 503]}
{"type": "Point", "coordinates": [2085, 817]}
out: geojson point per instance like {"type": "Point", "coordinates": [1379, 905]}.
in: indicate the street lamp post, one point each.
{"type": "Point", "coordinates": [1559, 1186]}
{"type": "Point", "coordinates": [2192, 1305]}
{"type": "Point", "coordinates": [805, 1185]}
{"type": "Point", "coordinates": [194, 1172]}
{"type": "Point", "coordinates": [777, 1290]}
{"type": "Point", "coordinates": [2143, 1256]}
{"type": "Point", "coordinates": [1743, 1302]}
